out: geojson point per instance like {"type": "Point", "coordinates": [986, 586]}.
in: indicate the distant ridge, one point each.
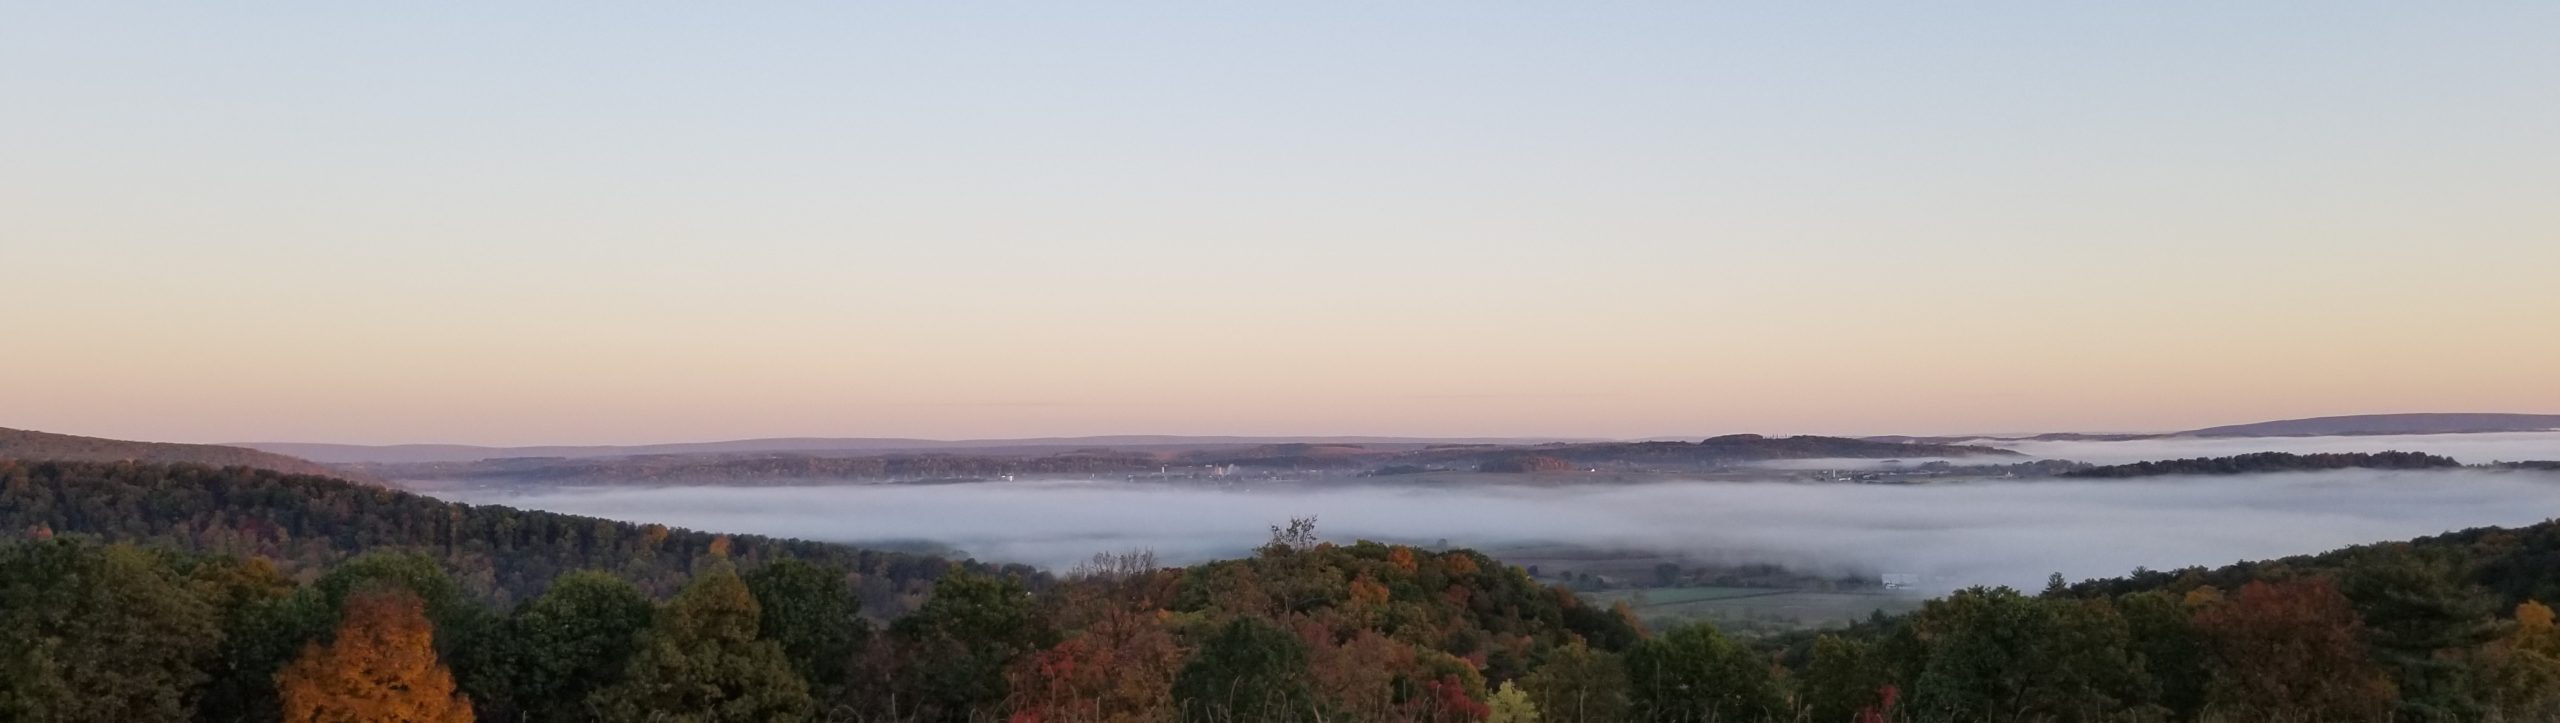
{"type": "Point", "coordinates": [2352, 425]}
{"type": "Point", "coordinates": [2373, 424]}
{"type": "Point", "coordinates": [424, 453]}
{"type": "Point", "coordinates": [36, 446]}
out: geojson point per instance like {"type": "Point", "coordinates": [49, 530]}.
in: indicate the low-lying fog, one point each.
{"type": "Point", "coordinates": [2470, 448]}
{"type": "Point", "coordinates": [2011, 533]}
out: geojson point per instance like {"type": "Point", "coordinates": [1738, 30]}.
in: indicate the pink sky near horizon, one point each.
{"type": "Point", "coordinates": [492, 224]}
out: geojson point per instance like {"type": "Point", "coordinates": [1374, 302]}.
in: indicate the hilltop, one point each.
{"type": "Point", "coordinates": [2373, 424]}
{"type": "Point", "coordinates": [2353, 425]}
{"type": "Point", "coordinates": [46, 446]}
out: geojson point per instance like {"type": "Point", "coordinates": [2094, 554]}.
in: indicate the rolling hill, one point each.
{"type": "Point", "coordinates": [47, 446]}
{"type": "Point", "coordinates": [2372, 424]}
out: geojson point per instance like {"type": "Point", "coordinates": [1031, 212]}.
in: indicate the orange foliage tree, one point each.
{"type": "Point", "coordinates": [381, 667]}
{"type": "Point", "coordinates": [2292, 650]}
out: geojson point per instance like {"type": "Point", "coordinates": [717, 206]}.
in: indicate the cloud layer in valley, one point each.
{"type": "Point", "coordinates": [2011, 533]}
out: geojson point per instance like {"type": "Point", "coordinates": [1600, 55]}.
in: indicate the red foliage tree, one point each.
{"type": "Point", "coordinates": [2292, 650]}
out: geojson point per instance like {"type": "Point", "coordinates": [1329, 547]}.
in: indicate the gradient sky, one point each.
{"type": "Point", "coordinates": [626, 222]}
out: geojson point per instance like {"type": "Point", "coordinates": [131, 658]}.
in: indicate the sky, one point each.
{"type": "Point", "coordinates": [509, 223]}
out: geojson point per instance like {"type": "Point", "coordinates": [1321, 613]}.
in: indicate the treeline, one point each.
{"type": "Point", "coordinates": [2260, 462]}
{"type": "Point", "coordinates": [32, 445]}
{"type": "Point", "coordinates": [1302, 631]}
{"type": "Point", "coordinates": [1707, 453]}
{"type": "Point", "coordinates": [768, 467]}
{"type": "Point", "coordinates": [305, 524]}
{"type": "Point", "coordinates": [2447, 628]}
{"type": "Point", "coordinates": [789, 467]}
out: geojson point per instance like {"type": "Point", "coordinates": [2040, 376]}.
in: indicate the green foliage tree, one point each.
{"type": "Point", "coordinates": [557, 650]}
{"type": "Point", "coordinates": [2425, 619]}
{"type": "Point", "coordinates": [815, 616]}
{"type": "Point", "coordinates": [1579, 685]}
{"type": "Point", "coordinates": [1250, 671]}
{"type": "Point", "coordinates": [1993, 654]}
{"type": "Point", "coordinates": [954, 649]}
{"type": "Point", "coordinates": [1693, 674]}
{"type": "Point", "coordinates": [251, 595]}
{"type": "Point", "coordinates": [2162, 633]}
{"type": "Point", "coordinates": [701, 662]}
{"type": "Point", "coordinates": [98, 634]}
{"type": "Point", "coordinates": [1843, 678]}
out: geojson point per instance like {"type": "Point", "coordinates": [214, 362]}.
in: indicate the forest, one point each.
{"type": "Point", "coordinates": [150, 592]}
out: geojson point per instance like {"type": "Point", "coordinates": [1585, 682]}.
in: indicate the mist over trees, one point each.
{"type": "Point", "coordinates": [130, 592]}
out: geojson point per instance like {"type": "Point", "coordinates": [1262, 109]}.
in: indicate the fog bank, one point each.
{"type": "Point", "coordinates": [2011, 533]}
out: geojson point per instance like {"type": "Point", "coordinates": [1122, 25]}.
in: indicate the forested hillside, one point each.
{"type": "Point", "coordinates": [306, 524]}
{"type": "Point", "coordinates": [1304, 629]}
{"type": "Point", "coordinates": [42, 446]}
{"type": "Point", "coordinates": [163, 593]}
{"type": "Point", "coordinates": [2448, 628]}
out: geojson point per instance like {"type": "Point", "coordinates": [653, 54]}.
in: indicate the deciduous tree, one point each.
{"type": "Point", "coordinates": [380, 667]}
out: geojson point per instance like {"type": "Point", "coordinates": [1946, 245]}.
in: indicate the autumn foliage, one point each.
{"type": "Point", "coordinates": [381, 667]}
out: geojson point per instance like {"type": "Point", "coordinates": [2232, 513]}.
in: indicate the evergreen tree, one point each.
{"type": "Point", "coordinates": [2425, 618]}
{"type": "Point", "coordinates": [1250, 671]}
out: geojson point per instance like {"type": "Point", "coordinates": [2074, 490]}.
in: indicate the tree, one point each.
{"type": "Point", "coordinates": [2291, 651]}
{"type": "Point", "coordinates": [1510, 704]}
{"type": "Point", "coordinates": [1843, 679]}
{"type": "Point", "coordinates": [574, 640]}
{"type": "Point", "coordinates": [702, 662]}
{"type": "Point", "coordinates": [814, 615]}
{"type": "Point", "coordinates": [251, 597]}
{"type": "Point", "coordinates": [1249, 671]}
{"type": "Point", "coordinates": [954, 649]}
{"type": "Point", "coordinates": [2164, 635]}
{"type": "Point", "coordinates": [1694, 673]}
{"type": "Point", "coordinates": [1993, 654]}
{"type": "Point", "coordinates": [95, 634]}
{"type": "Point", "coordinates": [381, 666]}
{"type": "Point", "coordinates": [1579, 685]}
{"type": "Point", "coordinates": [2524, 667]}
{"type": "Point", "coordinates": [2425, 618]}
{"type": "Point", "coordinates": [1120, 671]}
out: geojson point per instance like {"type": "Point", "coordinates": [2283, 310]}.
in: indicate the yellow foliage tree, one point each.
{"type": "Point", "coordinates": [381, 668]}
{"type": "Point", "coordinates": [2525, 667]}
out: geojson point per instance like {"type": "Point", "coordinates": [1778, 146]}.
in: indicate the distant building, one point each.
{"type": "Point", "coordinates": [1899, 581]}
